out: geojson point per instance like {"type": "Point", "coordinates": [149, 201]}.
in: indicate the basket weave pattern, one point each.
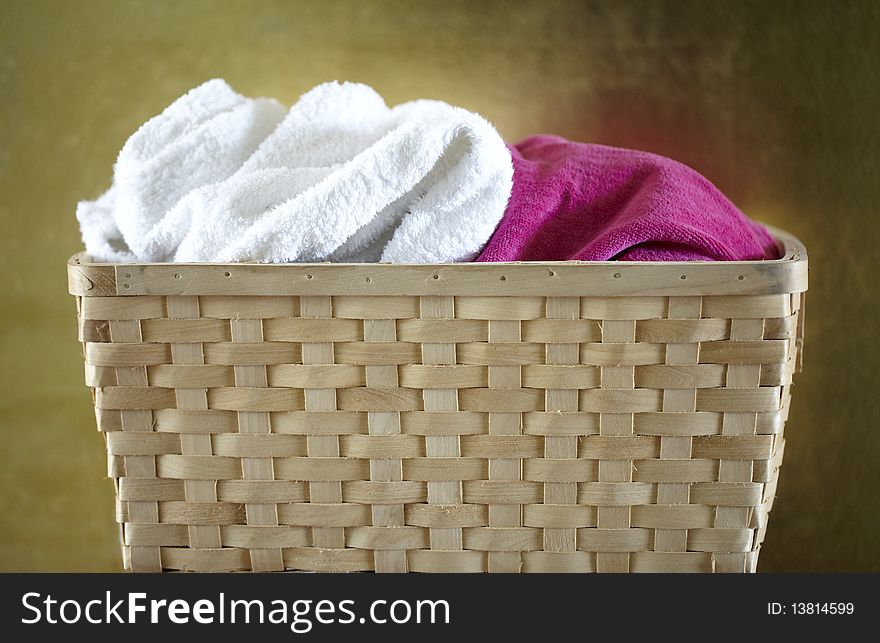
{"type": "Point", "coordinates": [502, 432]}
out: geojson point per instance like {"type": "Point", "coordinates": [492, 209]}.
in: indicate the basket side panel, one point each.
{"type": "Point", "coordinates": [442, 432]}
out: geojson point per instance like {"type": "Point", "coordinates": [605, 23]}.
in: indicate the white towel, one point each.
{"type": "Point", "coordinates": [341, 177]}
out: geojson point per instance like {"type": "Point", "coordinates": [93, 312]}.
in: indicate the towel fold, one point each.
{"type": "Point", "coordinates": [597, 203]}
{"type": "Point", "coordinates": [340, 177]}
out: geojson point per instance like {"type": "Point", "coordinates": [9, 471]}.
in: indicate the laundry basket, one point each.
{"type": "Point", "coordinates": [521, 417]}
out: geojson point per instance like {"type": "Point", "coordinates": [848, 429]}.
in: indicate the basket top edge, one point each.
{"type": "Point", "coordinates": [794, 251]}
{"type": "Point", "coordinates": [610, 278]}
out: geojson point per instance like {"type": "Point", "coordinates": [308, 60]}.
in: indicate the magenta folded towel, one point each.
{"type": "Point", "coordinates": [597, 203]}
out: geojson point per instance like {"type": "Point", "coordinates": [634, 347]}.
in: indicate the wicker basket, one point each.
{"type": "Point", "coordinates": [528, 417]}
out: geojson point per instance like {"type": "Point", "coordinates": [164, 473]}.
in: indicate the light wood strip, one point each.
{"type": "Point", "coordinates": [559, 382]}
{"type": "Point", "coordinates": [307, 330]}
{"type": "Point", "coordinates": [444, 423]}
{"type": "Point", "coordinates": [259, 398]}
{"type": "Point", "coordinates": [445, 469]}
{"type": "Point", "coordinates": [321, 445]}
{"type": "Point", "coordinates": [622, 354]}
{"type": "Point", "coordinates": [441, 330]}
{"type": "Point", "coordinates": [739, 351]}
{"type": "Point", "coordinates": [247, 306]}
{"type": "Point", "coordinates": [134, 398]}
{"type": "Point", "coordinates": [616, 402]}
{"type": "Point", "coordinates": [740, 422]}
{"type": "Point", "coordinates": [577, 562]}
{"type": "Point", "coordinates": [377, 353]}
{"type": "Point", "coordinates": [501, 400]}
{"type": "Point", "coordinates": [682, 331]}
{"type": "Point", "coordinates": [326, 516]}
{"type": "Point", "coordinates": [140, 558]}
{"type": "Point", "coordinates": [190, 355]}
{"type": "Point", "coordinates": [442, 377]}
{"type": "Point", "coordinates": [559, 516]}
{"type": "Point", "coordinates": [445, 533]}
{"type": "Point", "coordinates": [374, 307]}
{"type": "Point", "coordinates": [451, 517]}
{"type": "Point", "coordinates": [622, 308]}
{"type": "Point", "coordinates": [187, 421]}
{"type": "Point", "coordinates": [675, 375]}
{"type": "Point", "coordinates": [253, 424]}
{"type": "Point", "coordinates": [327, 422]}
{"type": "Point", "coordinates": [316, 376]}
{"type": "Point", "coordinates": [130, 354]}
{"type": "Point", "coordinates": [185, 329]}
{"type": "Point", "coordinates": [252, 353]}
{"type": "Point", "coordinates": [747, 306]}
{"type": "Point", "coordinates": [561, 279]}
{"type": "Point", "coordinates": [262, 491]}
{"type": "Point", "coordinates": [503, 406]}
{"type": "Point", "coordinates": [560, 423]}
{"type": "Point", "coordinates": [122, 443]}
{"type": "Point", "coordinates": [228, 559]}
{"type": "Point", "coordinates": [183, 376]}
{"type": "Point", "coordinates": [681, 376]}
{"type": "Point", "coordinates": [504, 446]}
{"type": "Point", "coordinates": [499, 308]}
{"type": "Point", "coordinates": [560, 377]}
{"type": "Point", "coordinates": [122, 309]}
{"type": "Point", "coordinates": [561, 331]}
{"type": "Point", "coordinates": [315, 559]}
{"type": "Point", "coordinates": [381, 422]}
{"type": "Point", "coordinates": [508, 353]}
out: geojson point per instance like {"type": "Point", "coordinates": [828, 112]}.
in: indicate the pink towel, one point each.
{"type": "Point", "coordinates": [598, 203]}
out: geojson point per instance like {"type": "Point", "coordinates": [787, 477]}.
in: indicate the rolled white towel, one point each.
{"type": "Point", "coordinates": [341, 177]}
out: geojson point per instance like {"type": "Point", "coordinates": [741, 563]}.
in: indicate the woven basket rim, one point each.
{"type": "Point", "coordinates": [541, 278]}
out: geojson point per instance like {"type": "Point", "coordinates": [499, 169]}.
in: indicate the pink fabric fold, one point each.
{"type": "Point", "coordinates": [597, 203]}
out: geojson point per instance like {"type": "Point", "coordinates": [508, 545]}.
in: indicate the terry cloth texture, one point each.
{"type": "Point", "coordinates": [339, 177]}
{"type": "Point", "coordinates": [597, 203]}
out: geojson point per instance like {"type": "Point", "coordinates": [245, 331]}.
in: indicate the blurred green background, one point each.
{"type": "Point", "coordinates": [776, 102]}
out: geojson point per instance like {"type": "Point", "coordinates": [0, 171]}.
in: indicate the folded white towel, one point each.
{"type": "Point", "coordinates": [341, 177]}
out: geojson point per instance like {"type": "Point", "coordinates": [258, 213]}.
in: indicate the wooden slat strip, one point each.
{"type": "Point", "coordinates": [505, 417]}
{"type": "Point", "coordinates": [188, 354]}
{"type": "Point", "coordinates": [385, 422]}
{"type": "Point", "coordinates": [739, 421]}
{"type": "Point", "coordinates": [321, 399]}
{"type": "Point", "coordinates": [680, 381]}
{"type": "Point", "coordinates": [561, 399]}
{"type": "Point", "coordinates": [558, 279]}
{"type": "Point", "coordinates": [137, 419]}
{"type": "Point", "coordinates": [256, 423]}
{"type": "Point", "coordinates": [616, 418]}
{"type": "Point", "coordinates": [435, 311]}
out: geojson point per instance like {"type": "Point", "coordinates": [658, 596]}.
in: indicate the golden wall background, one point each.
{"type": "Point", "coordinates": [776, 102]}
